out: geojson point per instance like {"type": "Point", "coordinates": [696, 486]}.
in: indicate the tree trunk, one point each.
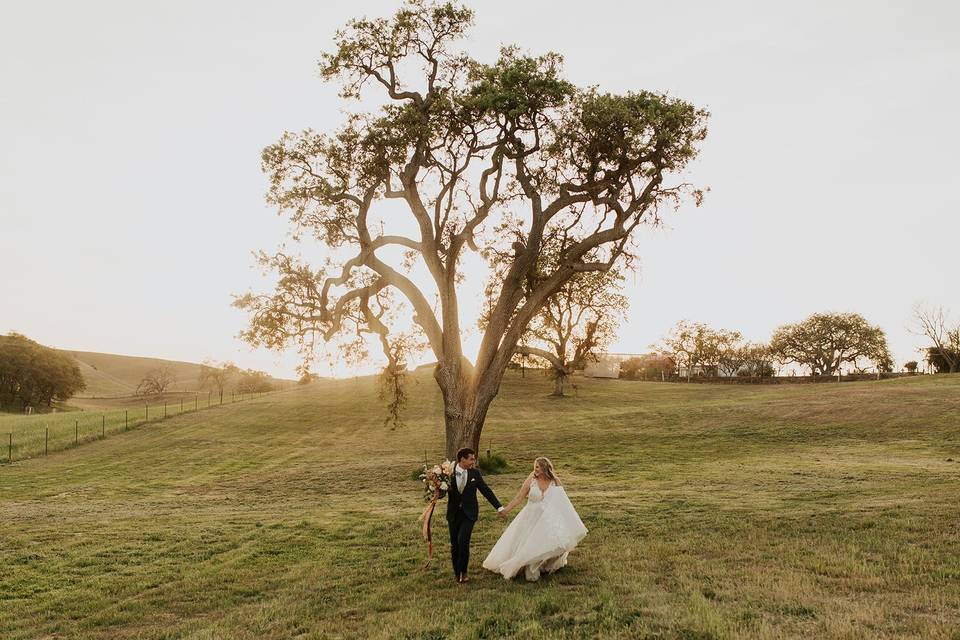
{"type": "Point", "coordinates": [465, 404]}
{"type": "Point", "coordinates": [558, 381]}
{"type": "Point", "coordinates": [462, 431]}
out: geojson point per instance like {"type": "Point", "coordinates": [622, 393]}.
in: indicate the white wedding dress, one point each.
{"type": "Point", "coordinates": [540, 537]}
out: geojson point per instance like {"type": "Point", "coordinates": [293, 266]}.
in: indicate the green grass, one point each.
{"type": "Point", "coordinates": [715, 511]}
{"type": "Point", "coordinates": [28, 436]}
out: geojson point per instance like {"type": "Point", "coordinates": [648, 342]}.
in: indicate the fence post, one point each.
{"type": "Point", "coordinates": [164, 409]}
{"type": "Point", "coordinates": [103, 426]}
{"type": "Point", "coordinates": [76, 432]}
{"type": "Point", "coordinates": [196, 400]}
{"type": "Point", "coordinates": [146, 411]}
{"type": "Point", "coordinates": [126, 416]}
{"type": "Point", "coordinates": [181, 405]}
{"type": "Point", "coordinates": [46, 441]}
{"type": "Point", "coordinates": [10, 449]}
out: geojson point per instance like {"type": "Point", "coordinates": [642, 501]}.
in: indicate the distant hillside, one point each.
{"type": "Point", "coordinates": [109, 374]}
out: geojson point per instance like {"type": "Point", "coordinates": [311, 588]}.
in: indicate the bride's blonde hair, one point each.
{"type": "Point", "coordinates": [546, 468]}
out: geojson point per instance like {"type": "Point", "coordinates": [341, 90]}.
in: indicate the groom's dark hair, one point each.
{"type": "Point", "coordinates": [463, 453]}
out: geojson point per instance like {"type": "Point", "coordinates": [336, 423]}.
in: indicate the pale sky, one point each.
{"type": "Point", "coordinates": [131, 194]}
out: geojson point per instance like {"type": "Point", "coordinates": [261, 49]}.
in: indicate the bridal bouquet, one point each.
{"type": "Point", "coordinates": [436, 482]}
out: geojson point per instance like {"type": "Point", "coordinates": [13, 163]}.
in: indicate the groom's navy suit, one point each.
{"type": "Point", "coordinates": [462, 511]}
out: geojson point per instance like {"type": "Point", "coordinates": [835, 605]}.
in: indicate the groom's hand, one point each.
{"type": "Point", "coordinates": [502, 514]}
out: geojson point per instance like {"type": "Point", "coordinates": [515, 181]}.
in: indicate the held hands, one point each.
{"type": "Point", "coordinates": [503, 513]}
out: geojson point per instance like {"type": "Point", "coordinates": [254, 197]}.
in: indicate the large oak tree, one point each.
{"type": "Point", "coordinates": [467, 148]}
{"type": "Point", "coordinates": [824, 342]}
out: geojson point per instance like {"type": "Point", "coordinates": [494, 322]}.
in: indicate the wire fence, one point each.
{"type": "Point", "coordinates": [41, 434]}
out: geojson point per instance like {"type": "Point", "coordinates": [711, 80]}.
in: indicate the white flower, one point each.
{"type": "Point", "coordinates": [443, 485]}
{"type": "Point", "coordinates": [436, 469]}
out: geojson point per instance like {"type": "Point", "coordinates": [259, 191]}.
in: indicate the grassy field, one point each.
{"type": "Point", "coordinates": [27, 436]}
{"type": "Point", "coordinates": [806, 511]}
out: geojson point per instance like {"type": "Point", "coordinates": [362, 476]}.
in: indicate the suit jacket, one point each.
{"type": "Point", "coordinates": [467, 501]}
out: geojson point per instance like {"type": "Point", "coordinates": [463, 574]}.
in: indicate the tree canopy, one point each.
{"type": "Point", "coordinates": [156, 382]}
{"type": "Point", "coordinates": [507, 156]}
{"type": "Point", "coordinates": [32, 375]}
{"type": "Point", "coordinates": [935, 324]}
{"type": "Point", "coordinates": [215, 376]}
{"type": "Point", "coordinates": [824, 342]}
{"type": "Point", "coordinates": [694, 344]}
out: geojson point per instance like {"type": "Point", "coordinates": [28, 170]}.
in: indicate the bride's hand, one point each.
{"type": "Point", "coordinates": [503, 513]}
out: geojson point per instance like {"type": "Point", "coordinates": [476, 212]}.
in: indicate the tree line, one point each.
{"type": "Point", "coordinates": [824, 344]}
{"type": "Point", "coordinates": [575, 328]}
{"type": "Point", "coordinates": [214, 377]}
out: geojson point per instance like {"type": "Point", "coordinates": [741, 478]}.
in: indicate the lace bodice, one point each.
{"type": "Point", "coordinates": [535, 495]}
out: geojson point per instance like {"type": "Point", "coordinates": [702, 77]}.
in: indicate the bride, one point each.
{"type": "Point", "coordinates": [543, 533]}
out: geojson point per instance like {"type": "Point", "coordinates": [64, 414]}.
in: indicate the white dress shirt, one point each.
{"type": "Point", "coordinates": [460, 477]}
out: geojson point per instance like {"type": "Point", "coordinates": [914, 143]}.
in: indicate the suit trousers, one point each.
{"type": "Point", "coordinates": [461, 528]}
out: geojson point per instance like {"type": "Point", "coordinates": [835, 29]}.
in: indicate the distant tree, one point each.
{"type": "Point", "coordinates": [756, 361]}
{"type": "Point", "coordinates": [460, 146]}
{"type": "Point", "coordinates": [694, 344]}
{"type": "Point", "coordinates": [935, 324]}
{"type": "Point", "coordinates": [155, 382]}
{"type": "Point", "coordinates": [251, 381]}
{"type": "Point", "coordinates": [308, 378]}
{"type": "Point", "coordinates": [216, 377]}
{"type": "Point", "coordinates": [941, 359]}
{"type": "Point", "coordinates": [825, 342]}
{"type": "Point", "coordinates": [910, 366]}
{"type": "Point", "coordinates": [32, 375]}
{"type": "Point", "coordinates": [574, 325]}
{"type": "Point", "coordinates": [727, 351]}
{"type": "Point", "coordinates": [657, 366]}
{"type": "Point", "coordinates": [630, 368]}
{"type": "Point", "coordinates": [654, 366]}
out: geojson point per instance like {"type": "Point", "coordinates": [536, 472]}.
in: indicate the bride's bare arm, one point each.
{"type": "Point", "coordinates": [524, 490]}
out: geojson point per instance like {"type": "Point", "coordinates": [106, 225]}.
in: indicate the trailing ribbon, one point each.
{"type": "Point", "coordinates": [426, 517]}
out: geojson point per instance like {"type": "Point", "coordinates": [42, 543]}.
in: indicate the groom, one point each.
{"type": "Point", "coordinates": [462, 508]}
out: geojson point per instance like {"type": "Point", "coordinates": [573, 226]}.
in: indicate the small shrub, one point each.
{"type": "Point", "coordinates": [493, 463]}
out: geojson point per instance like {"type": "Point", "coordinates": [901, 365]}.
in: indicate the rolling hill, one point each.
{"type": "Point", "coordinates": [109, 374]}
{"type": "Point", "coordinates": [715, 511]}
